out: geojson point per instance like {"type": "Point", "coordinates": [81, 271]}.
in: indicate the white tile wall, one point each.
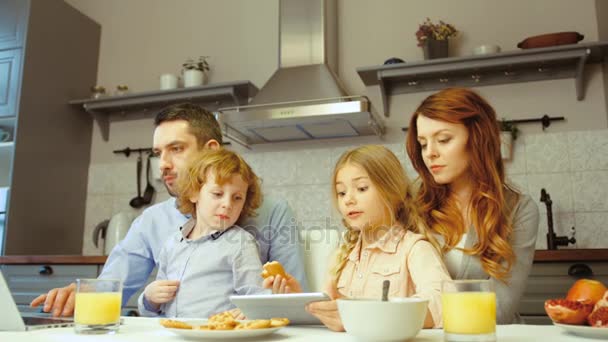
{"type": "Point", "coordinates": [571, 166]}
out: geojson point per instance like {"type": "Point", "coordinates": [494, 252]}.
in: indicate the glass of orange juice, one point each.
{"type": "Point", "coordinates": [97, 307]}
{"type": "Point", "coordinates": [469, 310]}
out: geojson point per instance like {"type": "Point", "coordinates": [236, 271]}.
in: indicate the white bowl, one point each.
{"type": "Point", "coordinates": [398, 319]}
{"type": "Point", "coordinates": [486, 49]}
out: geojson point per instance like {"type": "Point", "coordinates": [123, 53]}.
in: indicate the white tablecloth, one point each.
{"type": "Point", "coordinates": [137, 329]}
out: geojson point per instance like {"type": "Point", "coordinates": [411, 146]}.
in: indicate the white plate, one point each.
{"type": "Point", "coordinates": [219, 334]}
{"type": "Point", "coordinates": [585, 331]}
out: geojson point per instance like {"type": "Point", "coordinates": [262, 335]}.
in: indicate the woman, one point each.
{"type": "Point", "coordinates": [486, 228]}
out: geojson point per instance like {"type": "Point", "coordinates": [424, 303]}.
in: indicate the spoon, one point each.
{"type": "Point", "coordinates": [149, 190]}
{"type": "Point", "coordinates": [385, 285]}
{"type": "Point", "coordinates": [138, 202]}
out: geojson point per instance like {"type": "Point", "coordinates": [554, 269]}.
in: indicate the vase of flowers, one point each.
{"type": "Point", "coordinates": [195, 73]}
{"type": "Point", "coordinates": [433, 38]}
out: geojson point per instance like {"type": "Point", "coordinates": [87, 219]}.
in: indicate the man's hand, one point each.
{"type": "Point", "coordinates": [161, 291]}
{"type": "Point", "coordinates": [279, 284]}
{"type": "Point", "coordinates": [59, 300]}
{"type": "Point", "coordinates": [327, 311]}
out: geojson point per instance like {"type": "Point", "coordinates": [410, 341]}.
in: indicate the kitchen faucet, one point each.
{"type": "Point", "coordinates": [553, 241]}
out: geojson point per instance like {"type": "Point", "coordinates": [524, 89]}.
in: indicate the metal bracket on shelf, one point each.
{"type": "Point", "coordinates": [579, 78]}
{"type": "Point", "coordinates": [103, 122]}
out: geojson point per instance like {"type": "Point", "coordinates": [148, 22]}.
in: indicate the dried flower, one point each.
{"type": "Point", "coordinates": [428, 30]}
{"type": "Point", "coordinates": [201, 65]}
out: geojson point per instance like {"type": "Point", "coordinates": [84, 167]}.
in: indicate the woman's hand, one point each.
{"type": "Point", "coordinates": [327, 311]}
{"type": "Point", "coordinates": [161, 291]}
{"type": "Point", "coordinates": [279, 284]}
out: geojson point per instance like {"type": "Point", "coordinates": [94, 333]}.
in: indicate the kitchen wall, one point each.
{"type": "Point", "coordinates": [143, 38]}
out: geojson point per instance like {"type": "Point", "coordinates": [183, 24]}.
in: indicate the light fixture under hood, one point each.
{"type": "Point", "coordinates": [304, 98]}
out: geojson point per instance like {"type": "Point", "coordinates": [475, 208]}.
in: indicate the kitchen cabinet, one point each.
{"type": "Point", "coordinates": [27, 282]}
{"type": "Point", "coordinates": [566, 61]}
{"type": "Point", "coordinates": [52, 57]}
{"type": "Point", "coordinates": [31, 275]}
{"type": "Point", "coordinates": [549, 280]}
{"type": "Point", "coordinates": [10, 70]}
{"type": "Point", "coordinates": [13, 18]}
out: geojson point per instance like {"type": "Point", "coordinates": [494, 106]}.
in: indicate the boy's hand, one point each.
{"type": "Point", "coordinates": [278, 284]}
{"type": "Point", "coordinates": [161, 291]}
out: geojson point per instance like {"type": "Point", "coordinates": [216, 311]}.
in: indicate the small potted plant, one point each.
{"type": "Point", "coordinates": [433, 38]}
{"type": "Point", "coordinates": [508, 133]}
{"type": "Point", "coordinates": [195, 73]}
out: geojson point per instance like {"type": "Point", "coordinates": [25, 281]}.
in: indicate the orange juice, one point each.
{"type": "Point", "coordinates": [97, 307]}
{"type": "Point", "coordinates": [469, 312]}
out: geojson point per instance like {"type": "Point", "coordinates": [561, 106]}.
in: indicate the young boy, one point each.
{"type": "Point", "coordinates": [210, 257]}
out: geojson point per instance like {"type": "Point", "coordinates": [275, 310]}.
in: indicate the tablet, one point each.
{"type": "Point", "coordinates": [289, 305]}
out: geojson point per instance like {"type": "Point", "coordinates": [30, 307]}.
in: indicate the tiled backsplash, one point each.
{"type": "Point", "coordinates": [571, 166]}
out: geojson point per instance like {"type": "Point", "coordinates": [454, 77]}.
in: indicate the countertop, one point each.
{"type": "Point", "coordinates": [53, 259]}
{"type": "Point", "coordinates": [560, 255]}
{"type": "Point", "coordinates": [147, 329]}
{"type": "Point", "coordinates": [566, 255]}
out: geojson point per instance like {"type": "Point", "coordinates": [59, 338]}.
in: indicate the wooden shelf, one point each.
{"type": "Point", "coordinates": [566, 255]}
{"type": "Point", "coordinates": [53, 259]}
{"type": "Point", "coordinates": [565, 61]}
{"type": "Point", "coordinates": [217, 95]}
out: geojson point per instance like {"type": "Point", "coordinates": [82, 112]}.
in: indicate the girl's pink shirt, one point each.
{"type": "Point", "coordinates": [413, 266]}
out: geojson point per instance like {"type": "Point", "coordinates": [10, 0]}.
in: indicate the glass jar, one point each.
{"type": "Point", "coordinates": [98, 92]}
{"type": "Point", "coordinates": [121, 89]}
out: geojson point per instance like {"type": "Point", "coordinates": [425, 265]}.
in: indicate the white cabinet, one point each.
{"type": "Point", "coordinates": [27, 282]}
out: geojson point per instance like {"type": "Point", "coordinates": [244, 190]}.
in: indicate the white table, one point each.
{"type": "Point", "coordinates": [137, 329]}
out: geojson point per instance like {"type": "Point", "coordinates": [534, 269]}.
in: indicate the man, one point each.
{"type": "Point", "coordinates": [180, 131]}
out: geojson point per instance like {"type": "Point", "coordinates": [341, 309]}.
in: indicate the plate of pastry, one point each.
{"type": "Point", "coordinates": [223, 326]}
{"type": "Point", "coordinates": [585, 330]}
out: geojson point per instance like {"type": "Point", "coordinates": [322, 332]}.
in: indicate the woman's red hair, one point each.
{"type": "Point", "coordinates": [491, 198]}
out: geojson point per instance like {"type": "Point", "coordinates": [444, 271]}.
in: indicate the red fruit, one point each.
{"type": "Point", "coordinates": [567, 311]}
{"type": "Point", "coordinates": [602, 302]}
{"type": "Point", "coordinates": [586, 291]}
{"type": "Point", "coordinates": [599, 317]}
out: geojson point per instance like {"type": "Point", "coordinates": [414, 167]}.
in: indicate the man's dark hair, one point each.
{"type": "Point", "coordinates": [201, 121]}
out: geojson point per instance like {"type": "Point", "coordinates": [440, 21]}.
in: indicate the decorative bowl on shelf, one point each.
{"type": "Point", "coordinates": [486, 49]}
{"type": "Point", "coordinates": [551, 39]}
{"type": "Point", "coordinates": [393, 60]}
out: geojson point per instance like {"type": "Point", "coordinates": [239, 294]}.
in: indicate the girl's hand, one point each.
{"type": "Point", "coordinates": [327, 311]}
{"type": "Point", "coordinates": [161, 291]}
{"type": "Point", "coordinates": [279, 284]}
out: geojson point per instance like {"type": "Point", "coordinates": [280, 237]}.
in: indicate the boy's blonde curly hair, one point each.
{"type": "Point", "coordinates": [224, 164]}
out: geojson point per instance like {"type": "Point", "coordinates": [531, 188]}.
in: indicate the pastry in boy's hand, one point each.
{"type": "Point", "coordinates": [272, 269]}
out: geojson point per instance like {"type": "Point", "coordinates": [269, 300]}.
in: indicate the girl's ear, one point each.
{"type": "Point", "coordinates": [194, 195]}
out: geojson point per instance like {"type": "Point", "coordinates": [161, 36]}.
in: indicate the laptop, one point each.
{"type": "Point", "coordinates": [11, 319]}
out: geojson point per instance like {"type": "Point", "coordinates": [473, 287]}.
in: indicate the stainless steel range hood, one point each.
{"type": "Point", "coordinates": [304, 98]}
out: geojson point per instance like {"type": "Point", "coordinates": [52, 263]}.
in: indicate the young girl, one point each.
{"type": "Point", "coordinates": [486, 228]}
{"type": "Point", "coordinates": [209, 258]}
{"type": "Point", "coordinates": [384, 238]}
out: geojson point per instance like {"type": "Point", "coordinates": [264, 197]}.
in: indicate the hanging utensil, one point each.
{"type": "Point", "coordinates": [149, 191]}
{"type": "Point", "coordinates": [138, 202]}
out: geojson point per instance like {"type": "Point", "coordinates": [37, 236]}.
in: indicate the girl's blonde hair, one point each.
{"type": "Point", "coordinates": [224, 164]}
{"type": "Point", "coordinates": [389, 178]}
{"type": "Point", "coordinates": [491, 200]}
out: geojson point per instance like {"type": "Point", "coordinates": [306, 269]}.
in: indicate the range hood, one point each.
{"type": "Point", "coordinates": [304, 98]}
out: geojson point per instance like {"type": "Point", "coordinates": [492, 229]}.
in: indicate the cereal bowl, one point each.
{"type": "Point", "coordinates": [398, 319]}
